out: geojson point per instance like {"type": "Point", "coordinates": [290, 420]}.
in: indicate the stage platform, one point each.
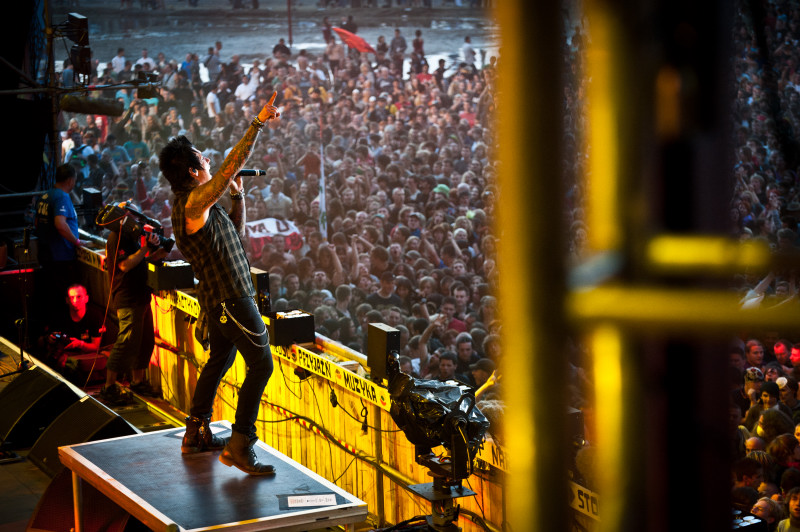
{"type": "Point", "coordinates": [148, 477]}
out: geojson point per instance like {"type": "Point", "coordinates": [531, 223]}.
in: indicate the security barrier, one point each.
{"type": "Point", "coordinates": [327, 417]}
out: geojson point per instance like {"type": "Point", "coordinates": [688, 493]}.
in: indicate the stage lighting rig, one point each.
{"type": "Point", "coordinates": [76, 29]}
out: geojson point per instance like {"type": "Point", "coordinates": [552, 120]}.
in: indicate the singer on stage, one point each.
{"type": "Point", "coordinates": [211, 240]}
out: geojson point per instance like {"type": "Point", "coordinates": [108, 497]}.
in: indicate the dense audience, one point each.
{"type": "Point", "coordinates": [402, 232]}
{"type": "Point", "coordinates": [379, 194]}
{"type": "Point", "coordinates": [382, 174]}
{"type": "Point", "coordinates": [765, 365]}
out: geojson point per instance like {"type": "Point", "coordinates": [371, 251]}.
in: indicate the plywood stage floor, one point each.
{"type": "Point", "coordinates": [147, 475]}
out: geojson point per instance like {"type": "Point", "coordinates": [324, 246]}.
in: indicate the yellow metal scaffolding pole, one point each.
{"type": "Point", "coordinates": [531, 301]}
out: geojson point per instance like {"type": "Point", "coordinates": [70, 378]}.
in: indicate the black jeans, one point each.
{"type": "Point", "coordinates": [226, 336]}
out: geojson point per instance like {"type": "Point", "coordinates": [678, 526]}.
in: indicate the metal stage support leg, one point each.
{"type": "Point", "coordinates": [77, 501]}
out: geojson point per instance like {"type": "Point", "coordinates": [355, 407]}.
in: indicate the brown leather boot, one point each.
{"type": "Point", "coordinates": [239, 452]}
{"type": "Point", "coordinates": [199, 437]}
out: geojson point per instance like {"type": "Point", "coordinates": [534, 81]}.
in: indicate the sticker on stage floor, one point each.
{"type": "Point", "coordinates": [307, 500]}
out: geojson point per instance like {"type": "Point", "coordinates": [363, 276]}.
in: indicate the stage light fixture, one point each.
{"type": "Point", "coordinates": [81, 58]}
{"type": "Point", "coordinates": [77, 29]}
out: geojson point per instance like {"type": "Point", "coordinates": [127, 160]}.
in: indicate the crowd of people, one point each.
{"type": "Point", "coordinates": [381, 169]}
{"type": "Point", "coordinates": [403, 231]}
{"type": "Point", "coordinates": [254, 4]}
{"type": "Point", "coordinates": [764, 374]}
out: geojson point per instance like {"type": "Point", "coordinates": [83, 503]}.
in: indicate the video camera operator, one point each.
{"type": "Point", "coordinates": [127, 255]}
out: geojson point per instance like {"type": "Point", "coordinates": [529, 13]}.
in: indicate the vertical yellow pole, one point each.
{"type": "Point", "coordinates": [529, 212]}
{"type": "Point", "coordinates": [605, 219]}
{"type": "Point", "coordinates": [607, 349]}
{"type": "Point", "coordinates": [604, 135]}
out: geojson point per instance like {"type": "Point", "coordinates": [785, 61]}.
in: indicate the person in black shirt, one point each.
{"type": "Point", "coordinates": [127, 268]}
{"type": "Point", "coordinates": [438, 74]}
{"type": "Point", "coordinates": [350, 24]}
{"type": "Point", "coordinates": [280, 51]}
{"type": "Point", "coordinates": [75, 332]}
{"type": "Point", "coordinates": [385, 297]}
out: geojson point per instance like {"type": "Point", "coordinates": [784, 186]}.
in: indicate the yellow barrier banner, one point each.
{"type": "Point", "coordinates": [319, 365]}
{"type": "Point", "coordinates": [184, 302]}
{"type": "Point", "coordinates": [584, 500]}
{"type": "Point", "coordinates": [493, 454]}
{"type": "Point", "coordinates": [90, 257]}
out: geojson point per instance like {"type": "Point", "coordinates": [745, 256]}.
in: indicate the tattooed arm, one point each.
{"type": "Point", "coordinates": [205, 195]}
{"type": "Point", "coordinates": [238, 213]}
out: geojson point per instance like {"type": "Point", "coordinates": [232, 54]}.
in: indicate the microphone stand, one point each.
{"type": "Point", "coordinates": [22, 323]}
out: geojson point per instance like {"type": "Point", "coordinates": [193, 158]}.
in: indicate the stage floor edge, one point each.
{"type": "Point", "coordinates": [147, 475]}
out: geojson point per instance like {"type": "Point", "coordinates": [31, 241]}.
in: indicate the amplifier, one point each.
{"type": "Point", "coordinates": [261, 284]}
{"type": "Point", "coordinates": [382, 339]}
{"type": "Point", "coordinates": [292, 327]}
{"type": "Point", "coordinates": [92, 198]}
{"type": "Point", "coordinates": [575, 425]}
{"type": "Point", "coordinates": [170, 275]}
{"type": "Point", "coordinates": [18, 253]}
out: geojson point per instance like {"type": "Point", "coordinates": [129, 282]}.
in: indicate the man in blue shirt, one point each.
{"type": "Point", "coordinates": [118, 153]}
{"type": "Point", "coordinates": [57, 231]}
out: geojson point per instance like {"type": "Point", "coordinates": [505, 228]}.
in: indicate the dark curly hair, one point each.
{"type": "Point", "coordinates": [175, 161]}
{"type": "Point", "coordinates": [782, 448]}
{"type": "Point", "coordinates": [774, 423]}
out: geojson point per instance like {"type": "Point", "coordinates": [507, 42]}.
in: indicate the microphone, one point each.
{"type": "Point", "coordinates": [251, 173]}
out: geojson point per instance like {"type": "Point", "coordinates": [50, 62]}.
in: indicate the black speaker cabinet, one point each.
{"type": "Point", "coordinates": [381, 340]}
{"type": "Point", "coordinates": [86, 420]}
{"type": "Point", "coordinates": [261, 284]}
{"type": "Point", "coordinates": [574, 424]}
{"type": "Point", "coordinates": [293, 327]}
{"type": "Point", "coordinates": [170, 275]}
{"type": "Point", "coordinates": [29, 404]}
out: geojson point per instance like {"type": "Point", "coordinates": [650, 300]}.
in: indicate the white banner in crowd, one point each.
{"type": "Point", "coordinates": [267, 230]}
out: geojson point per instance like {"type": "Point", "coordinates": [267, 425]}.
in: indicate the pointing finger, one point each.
{"type": "Point", "coordinates": [272, 100]}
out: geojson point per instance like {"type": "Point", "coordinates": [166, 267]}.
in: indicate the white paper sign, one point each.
{"type": "Point", "coordinates": [326, 499]}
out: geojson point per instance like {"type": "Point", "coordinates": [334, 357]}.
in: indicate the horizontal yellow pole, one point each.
{"type": "Point", "coordinates": [649, 309]}
{"type": "Point", "coordinates": [711, 254]}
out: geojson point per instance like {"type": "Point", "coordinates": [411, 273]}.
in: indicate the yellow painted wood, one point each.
{"type": "Point", "coordinates": [177, 372]}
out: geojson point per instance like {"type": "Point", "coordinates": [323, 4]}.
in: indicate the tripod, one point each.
{"type": "Point", "coordinates": [441, 493]}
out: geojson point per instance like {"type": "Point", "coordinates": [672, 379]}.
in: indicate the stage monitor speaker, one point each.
{"type": "Point", "coordinates": [381, 340]}
{"type": "Point", "coordinates": [29, 404]}
{"type": "Point", "coordinates": [575, 424]}
{"type": "Point", "coordinates": [55, 511]}
{"type": "Point", "coordinates": [170, 275]}
{"type": "Point", "coordinates": [86, 420]}
{"type": "Point", "coordinates": [261, 283]}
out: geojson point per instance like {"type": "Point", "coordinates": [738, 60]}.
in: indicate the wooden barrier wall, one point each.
{"type": "Point", "coordinates": [297, 416]}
